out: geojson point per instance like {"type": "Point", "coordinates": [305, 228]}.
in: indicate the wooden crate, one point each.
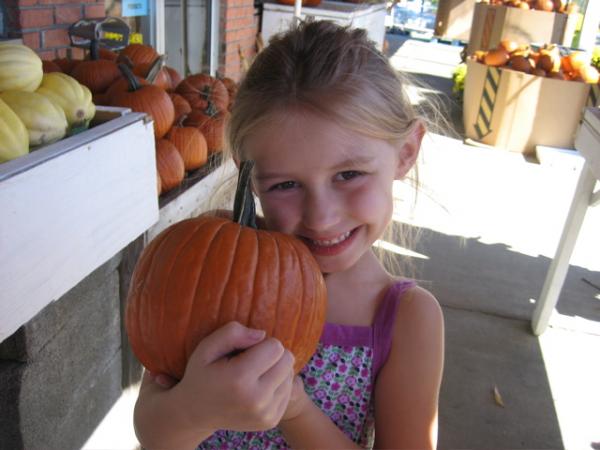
{"type": "Point", "coordinates": [69, 207]}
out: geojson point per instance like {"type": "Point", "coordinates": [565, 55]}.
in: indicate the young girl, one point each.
{"type": "Point", "coordinates": [324, 118]}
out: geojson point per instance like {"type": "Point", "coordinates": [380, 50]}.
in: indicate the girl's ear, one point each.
{"type": "Point", "coordinates": [409, 150]}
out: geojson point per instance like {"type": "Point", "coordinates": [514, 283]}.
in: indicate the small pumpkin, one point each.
{"type": "Point", "coordinates": [96, 74]}
{"type": "Point", "coordinates": [138, 54]}
{"type": "Point", "coordinates": [191, 144]}
{"type": "Point", "coordinates": [181, 105]}
{"type": "Point", "coordinates": [45, 120]}
{"type": "Point", "coordinates": [14, 138]}
{"type": "Point", "coordinates": [169, 164]}
{"type": "Point", "coordinates": [174, 76]}
{"type": "Point", "coordinates": [201, 89]}
{"type": "Point", "coordinates": [50, 66]}
{"type": "Point", "coordinates": [74, 98]}
{"type": "Point", "coordinates": [201, 273]}
{"type": "Point", "coordinates": [21, 68]}
{"type": "Point", "coordinates": [212, 125]}
{"type": "Point", "coordinates": [66, 65]}
{"type": "Point", "coordinates": [154, 73]}
{"type": "Point", "coordinates": [148, 99]}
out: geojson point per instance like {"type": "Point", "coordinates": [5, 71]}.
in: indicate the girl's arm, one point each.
{"type": "Point", "coordinates": [246, 392]}
{"type": "Point", "coordinates": [407, 387]}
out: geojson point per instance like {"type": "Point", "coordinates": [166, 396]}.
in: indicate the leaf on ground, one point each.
{"type": "Point", "coordinates": [498, 397]}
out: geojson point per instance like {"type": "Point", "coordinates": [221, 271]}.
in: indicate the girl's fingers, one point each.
{"type": "Point", "coordinates": [280, 372]}
{"type": "Point", "coordinates": [229, 338]}
{"type": "Point", "coordinates": [259, 358]}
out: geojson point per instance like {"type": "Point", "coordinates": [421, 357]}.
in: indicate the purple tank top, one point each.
{"type": "Point", "coordinates": [339, 378]}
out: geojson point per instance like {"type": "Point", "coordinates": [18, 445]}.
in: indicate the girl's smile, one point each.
{"type": "Point", "coordinates": [331, 246]}
{"type": "Point", "coordinates": [328, 185]}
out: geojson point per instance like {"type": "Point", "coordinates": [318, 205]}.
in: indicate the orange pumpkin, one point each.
{"type": "Point", "coordinates": [138, 54]}
{"type": "Point", "coordinates": [148, 99]}
{"type": "Point", "coordinates": [154, 72]}
{"type": "Point", "coordinates": [181, 105]}
{"type": "Point", "coordinates": [96, 74]}
{"type": "Point", "coordinates": [174, 76]}
{"type": "Point", "coordinates": [50, 66]}
{"type": "Point", "coordinates": [202, 273]}
{"type": "Point", "coordinates": [201, 89]}
{"type": "Point", "coordinates": [212, 126]}
{"type": "Point", "coordinates": [191, 144]}
{"type": "Point", "coordinates": [169, 164]}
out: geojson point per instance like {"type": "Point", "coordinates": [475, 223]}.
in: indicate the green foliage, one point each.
{"type": "Point", "coordinates": [458, 76]}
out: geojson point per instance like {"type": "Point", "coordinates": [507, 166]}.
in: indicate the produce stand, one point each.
{"type": "Point", "coordinates": [69, 207]}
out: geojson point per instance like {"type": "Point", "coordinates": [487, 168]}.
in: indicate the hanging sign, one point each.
{"type": "Point", "coordinates": [132, 8]}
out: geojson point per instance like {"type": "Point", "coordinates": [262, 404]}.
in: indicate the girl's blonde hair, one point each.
{"type": "Point", "coordinates": [329, 70]}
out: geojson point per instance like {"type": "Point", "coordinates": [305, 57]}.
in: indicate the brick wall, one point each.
{"type": "Point", "coordinates": [239, 28]}
{"type": "Point", "coordinates": [43, 24]}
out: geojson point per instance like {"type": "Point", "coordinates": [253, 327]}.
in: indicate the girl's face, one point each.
{"type": "Point", "coordinates": [327, 185]}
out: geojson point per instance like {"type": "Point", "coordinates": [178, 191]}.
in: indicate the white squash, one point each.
{"type": "Point", "coordinates": [45, 120]}
{"type": "Point", "coordinates": [14, 139]}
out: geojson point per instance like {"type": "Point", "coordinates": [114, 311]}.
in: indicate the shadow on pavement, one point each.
{"type": "Point", "coordinates": [485, 292]}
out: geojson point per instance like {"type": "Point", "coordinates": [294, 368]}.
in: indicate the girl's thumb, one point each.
{"type": "Point", "coordinates": [230, 338]}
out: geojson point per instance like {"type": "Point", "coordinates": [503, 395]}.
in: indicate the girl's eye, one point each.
{"type": "Point", "coordinates": [349, 174]}
{"type": "Point", "coordinates": [283, 186]}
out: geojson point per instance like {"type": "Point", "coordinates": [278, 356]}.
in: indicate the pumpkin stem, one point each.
{"type": "Point", "coordinates": [211, 110]}
{"type": "Point", "coordinates": [155, 68]}
{"type": "Point", "coordinates": [132, 81]}
{"type": "Point", "coordinates": [244, 211]}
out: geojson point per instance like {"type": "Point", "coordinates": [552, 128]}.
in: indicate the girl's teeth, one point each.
{"type": "Point", "coordinates": [329, 242]}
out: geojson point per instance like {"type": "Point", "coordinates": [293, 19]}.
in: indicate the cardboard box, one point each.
{"type": "Point", "coordinates": [492, 23]}
{"type": "Point", "coordinates": [516, 111]}
{"type": "Point", "coordinates": [453, 19]}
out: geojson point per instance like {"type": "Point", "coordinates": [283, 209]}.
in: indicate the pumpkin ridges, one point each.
{"type": "Point", "coordinates": [228, 308]}
{"type": "Point", "coordinates": [261, 316]}
{"type": "Point", "coordinates": [214, 286]}
{"type": "Point", "coordinates": [139, 312]}
{"type": "Point", "coordinates": [178, 320]}
{"type": "Point", "coordinates": [202, 289]}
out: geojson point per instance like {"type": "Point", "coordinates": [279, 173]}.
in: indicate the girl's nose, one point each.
{"type": "Point", "coordinates": [320, 210]}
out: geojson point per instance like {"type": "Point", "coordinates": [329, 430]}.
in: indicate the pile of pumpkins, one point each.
{"type": "Point", "coordinates": [37, 109]}
{"type": "Point", "coordinates": [547, 61]}
{"type": "Point", "coordinates": [561, 6]}
{"type": "Point", "coordinates": [189, 113]}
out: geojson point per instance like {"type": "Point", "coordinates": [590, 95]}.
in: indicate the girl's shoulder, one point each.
{"type": "Point", "coordinates": [418, 306]}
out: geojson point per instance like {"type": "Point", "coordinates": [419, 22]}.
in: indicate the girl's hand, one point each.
{"type": "Point", "coordinates": [298, 400]}
{"type": "Point", "coordinates": [246, 392]}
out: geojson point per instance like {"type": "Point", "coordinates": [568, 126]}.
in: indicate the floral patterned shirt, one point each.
{"type": "Point", "coordinates": [339, 378]}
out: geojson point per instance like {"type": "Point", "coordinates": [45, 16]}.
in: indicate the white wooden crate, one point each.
{"type": "Point", "coordinates": [69, 207]}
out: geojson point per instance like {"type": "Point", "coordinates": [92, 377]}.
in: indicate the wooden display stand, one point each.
{"type": "Point", "coordinates": [69, 207]}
